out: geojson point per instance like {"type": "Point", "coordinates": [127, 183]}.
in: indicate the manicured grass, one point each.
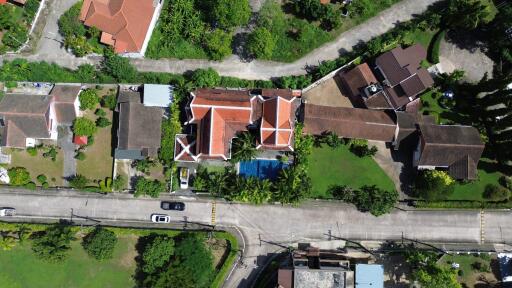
{"type": "Point", "coordinates": [469, 275]}
{"type": "Point", "coordinates": [487, 174]}
{"type": "Point", "coordinates": [431, 106]}
{"type": "Point", "coordinates": [339, 166]}
{"type": "Point", "coordinates": [99, 162]}
{"type": "Point", "coordinates": [23, 269]}
{"type": "Point", "coordinates": [38, 165]}
{"type": "Point", "coordinates": [422, 37]}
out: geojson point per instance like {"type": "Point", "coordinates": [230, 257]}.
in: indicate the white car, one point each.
{"type": "Point", "coordinates": [160, 218]}
{"type": "Point", "coordinates": [184, 175]}
{"type": "Point", "coordinates": [7, 212]}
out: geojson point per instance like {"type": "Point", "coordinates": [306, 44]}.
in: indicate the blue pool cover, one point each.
{"type": "Point", "coordinates": [263, 169]}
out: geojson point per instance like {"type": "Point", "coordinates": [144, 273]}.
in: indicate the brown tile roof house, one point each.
{"type": "Point", "coordinates": [454, 147]}
{"type": "Point", "coordinates": [402, 79]}
{"type": "Point", "coordinates": [125, 24]}
{"type": "Point", "coordinates": [220, 114]}
{"type": "Point", "coordinates": [66, 102]}
{"type": "Point", "coordinates": [26, 116]}
{"type": "Point", "coordinates": [350, 122]}
{"type": "Point", "coordinates": [139, 132]}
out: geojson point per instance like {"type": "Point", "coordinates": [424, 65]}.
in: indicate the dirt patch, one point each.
{"type": "Point", "coordinates": [219, 248]}
{"type": "Point", "coordinates": [328, 93]}
{"type": "Point", "coordinates": [127, 258]}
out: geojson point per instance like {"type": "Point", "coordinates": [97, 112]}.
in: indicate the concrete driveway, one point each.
{"type": "Point", "coordinates": [474, 62]}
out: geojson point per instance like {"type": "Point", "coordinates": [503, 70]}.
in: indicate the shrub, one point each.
{"type": "Point", "coordinates": [100, 243]}
{"type": "Point", "coordinates": [83, 127]}
{"type": "Point", "coordinates": [78, 181]}
{"type": "Point", "coordinates": [51, 153]}
{"type": "Point", "coordinates": [88, 99]}
{"type": "Point", "coordinates": [100, 113]}
{"type": "Point", "coordinates": [206, 78]}
{"type": "Point", "coordinates": [261, 43]}
{"type": "Point", "coordinates": [109, 102]}
{"type": "Point", "coordinates": [496, 193]}
{"type": "Point", "coordinates": [80, 156]}
{"type": "Point", "coordinates": [42, 178]}
{"type": "Point", "coordinates": [18, 176]}
{"type": "Point", "coordinates": [103, 122]}
{"type": "Point", "coordinates": [460, 272]}
{"type": "Point", "coordinates": [506, 181]}
{"type": "Point", "coordinates": [32, 151]}
{"type": "Point", "coordinates": [231, 13]}
{"type": "Point", "coordinates": [218, 44]}
{"type": "Point", "coordinates": [152, 188]}
{"type": "Point", "coordinates": [360, 148]}
{"type": "Point", "coordinates": [119, 183]}
{"type": "Point", "coordinates": [480, 267]}
{"type": "Point", "coordinates": [45, 185]}
{"type": "Point", "coordinates": [106, 185]}
{"type": "Point", "coordinates": [30, 186]}
{"type": "Point", "coordinates": [434, 185]}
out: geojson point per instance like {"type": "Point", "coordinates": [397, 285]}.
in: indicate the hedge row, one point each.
{"type": "Point", "coordinates": [433, 49]}
{"type": "Point", "coordinates": [463, 204]}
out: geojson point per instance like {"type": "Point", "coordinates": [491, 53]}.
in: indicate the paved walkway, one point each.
{"type": "Point", "coordinates": [65, 142]}
{"type": "Point", "coordinates": [234, 66]}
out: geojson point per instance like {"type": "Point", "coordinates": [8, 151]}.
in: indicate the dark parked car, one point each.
{"type": "Point", "coordinates": [179, 206]}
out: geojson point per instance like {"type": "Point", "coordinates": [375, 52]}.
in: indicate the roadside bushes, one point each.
{"type": "Point", "coordinates": [496, 193]}
{"type": "Point", "coordinates": [152, 188]}
{"type": "Point", "coordinates": [367, 198]}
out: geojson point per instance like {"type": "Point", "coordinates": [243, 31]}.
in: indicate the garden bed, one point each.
{"type": "Point", "coordinates": [37, 165]}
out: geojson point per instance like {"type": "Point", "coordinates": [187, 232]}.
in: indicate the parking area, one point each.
{"type": "Point", "coordinates": [327, 93]}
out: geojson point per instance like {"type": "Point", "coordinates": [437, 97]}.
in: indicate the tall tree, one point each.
{"type": "Point", "coordinates": [244, 147]}
{"type": "Point", "coordinates": [469, 14]}
{"type": "Point", "coordinates": [54, 244]}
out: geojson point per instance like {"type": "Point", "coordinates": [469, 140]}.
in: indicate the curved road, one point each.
{"type": "Point", "coordinates": [49, 48]}
{"type": "Point", "coordinates": [268, 227]}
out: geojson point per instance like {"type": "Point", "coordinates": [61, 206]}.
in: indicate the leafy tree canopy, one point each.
{"type": "Point", "coordinates": [434, 185]}
{"type": "Point", "coordinates": [157, 253]}
{"type": "Point", "coordinates": [18, 176]}
{"type": "Point", "coordinates": [261, 43]}
{"type": "Point", "coordinates": [152, 188]}
{"type": "Point", "coordinates": [100, 243]}
{"type": "Point", "coordinates": [54, 244]}
{"type": "Point", "coordinates": [88, 99]}
{"type": "Point", "coordinates": [206, 78]}
{"type": "Point", "coordinates": [84, 127]}
{"type": "Point", "coordinates": [231, 13]}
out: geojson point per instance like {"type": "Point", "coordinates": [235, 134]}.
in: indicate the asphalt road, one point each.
{"type": "Point", "coordinates": [50, 46]}
{"type": "Point", "coordinates": [269, 228]}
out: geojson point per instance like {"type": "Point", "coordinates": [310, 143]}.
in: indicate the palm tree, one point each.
{"type": "Point", "coordinates": [244, 148]}
{"type": "Point", "coordinates": [217, 184]}
{"type": "Point", "coordinates": [292, 185]}
{"type": "Point", "coordinates": [23, 232]}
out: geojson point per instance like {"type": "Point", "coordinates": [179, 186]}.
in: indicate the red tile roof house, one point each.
{"type": "Point", "coordinates": [25, 119]}
{"type": "Point", "coordinates": [220, 114]}
{"type": "Point", "coordinates": [126, 25]}
{"type": "Point", "coordinates": [402, 79]}
{"type": "Point", "coordinates": [454, 148]}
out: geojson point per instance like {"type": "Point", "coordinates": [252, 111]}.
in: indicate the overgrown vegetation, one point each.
{"type": "Point", "coordinates": [78, 38]}
{"type": "Point", "coordinates": [367, 198]}
{"type": "Point", "coordinates": [15, 22]}
{"type": "Point", "coordinates": [194, 29]}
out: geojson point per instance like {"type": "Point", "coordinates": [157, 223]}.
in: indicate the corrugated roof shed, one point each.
{"type": "Point", "coordinates": [369, 276]}
{"type": "Point", "coordinates": [158, 95]}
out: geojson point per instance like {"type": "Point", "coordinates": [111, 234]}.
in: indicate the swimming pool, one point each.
{"type": "Point", "coordinates": [263, 169]}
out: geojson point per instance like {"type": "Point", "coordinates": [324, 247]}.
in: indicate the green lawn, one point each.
{"type": "Point", "coordinates": [20, 268]}
{"type": "Point", "coordinates": [339, 166]}
{"type": "Point", "coordinates": [37, 165]}
{"type": "Point", "coordinates": [469, 275]}
{"type": "Point", "coordinates": [99, 162]}
{"type": "Point", "coordinates": [474, 190]}
{"type": "Point", "coordinates": [422, 37]}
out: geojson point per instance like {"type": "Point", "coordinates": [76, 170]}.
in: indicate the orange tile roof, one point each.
{"type": "Point", "coordinates": [276, 122]}
{"type": "Point", "coordinates": [220, 114]}
{"type": "Point", "coordinates": [124, 22]}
